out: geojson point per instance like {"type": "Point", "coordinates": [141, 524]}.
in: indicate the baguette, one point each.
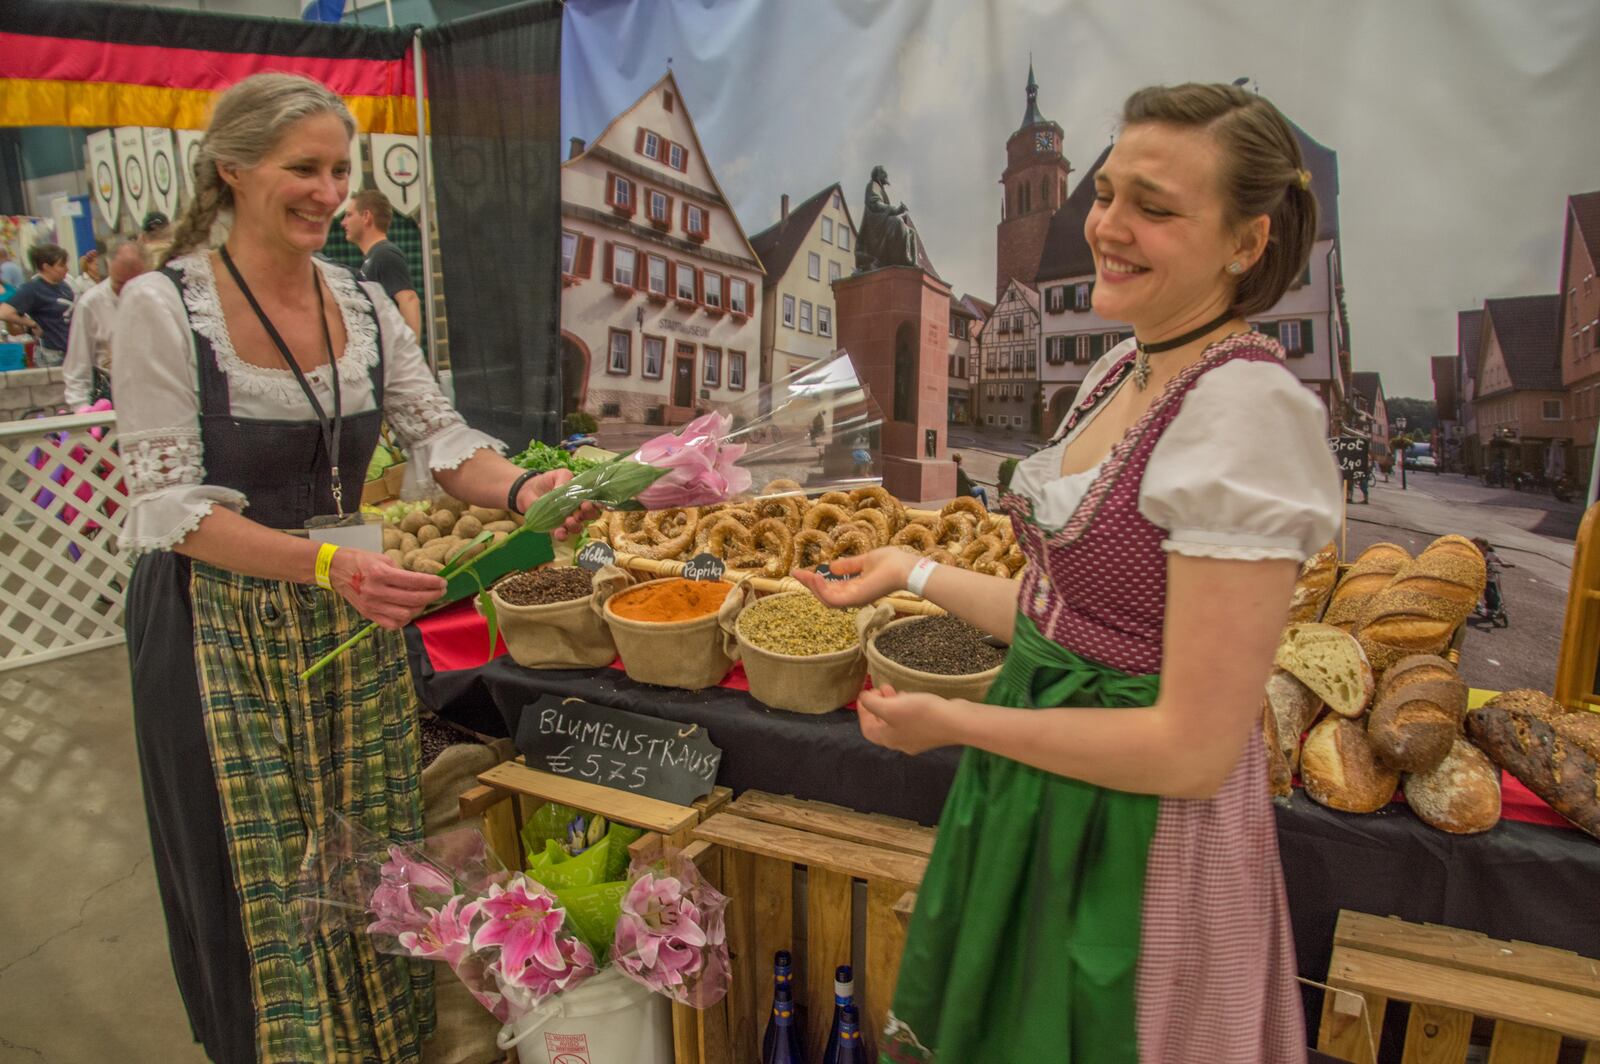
{"type": "Point", "coordinates": [1418, 668]}
{"type": "Point", "coordinates": [1413, 727]}
{"type": "Point", "coordinates": [1294, 708]}
{"type": "Point", "coordinates": [1279, 779]}
{"type": "Point", "coordinates": [1331, 663]}
{"type": "Point", "coordinates": [1340, 769]}
{"type": "Point", "coordinates": [1370, 574]}
{"type": "Point", "coordinates": [1424, 604]}
{"type": "Point", "coordinates": [1460, 795]}
{"type": "Point", "coordinates": [1314, 586]}
{"type": "Point", "coordinates": [1563, 773]}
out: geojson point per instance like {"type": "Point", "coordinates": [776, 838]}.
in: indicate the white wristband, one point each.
{"type": "Point", "coordinates": [917, 579]}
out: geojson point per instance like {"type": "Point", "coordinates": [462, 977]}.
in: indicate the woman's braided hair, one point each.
{"type": "Point", "coordinates": [1263, 173]}
{"type": "Point", "coordinates": [246, 123]}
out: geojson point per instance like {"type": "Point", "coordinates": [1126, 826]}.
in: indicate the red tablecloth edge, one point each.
{"type": "Point", "coordinates": [455, 638]}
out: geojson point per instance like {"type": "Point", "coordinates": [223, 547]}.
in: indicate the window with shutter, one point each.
{"type": "Point", "coordinates": [585, 265]}
{"type": "Point", "coordinates": [1306, 333]}
{"type": "Point", "coordinates": [1097, 347]}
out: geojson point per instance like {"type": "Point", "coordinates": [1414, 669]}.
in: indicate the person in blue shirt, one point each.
{"type": "Point", "coordinates": [43, 303]}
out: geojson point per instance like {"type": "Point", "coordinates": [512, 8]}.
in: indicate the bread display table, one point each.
{"type": "Point", "coordinates": [1525, 881]}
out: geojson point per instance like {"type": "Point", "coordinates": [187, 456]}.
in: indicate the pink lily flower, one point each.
{"type": "Point", "coordinates": [662, 935]}
{"type": "Point", "coordinates": [523, 920]}
{"type": "Point", "coordinates": [526, 987]}
{"type": "Point", "coordinates": [403, 868]}
{"type": "Point", "coordinates": [701, 469]}
{"type": "Point", "coordinates": [447, 934]}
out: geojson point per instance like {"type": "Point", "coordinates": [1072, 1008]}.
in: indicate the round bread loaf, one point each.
{"type": "Point", "coordinates": [1461, 794]}
{"type": "Point", "coordinates": [1415, 669]}
{"type": "Point", "coordinates": [1340, 769]}
{"type": "Point", "coordinates": [1526, 700]}
{"type": "Point", "coordinates": [1413, 726]}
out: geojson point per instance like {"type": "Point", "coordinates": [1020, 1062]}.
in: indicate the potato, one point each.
{"type": "Point", "coordinates": [474, 550]}
{"type": "Point", "coordinates": [486, 515]}
{"type": "Point", "coordinates": [409, 558]}
{"type": "Point", "coordinates": [443, 520]}
{"type": "Point", "coordinates": [467, 527]}
{"type": "Point", "coordinates": [449, 502]}
{"type": "Point", "coordinates": [427, 565]}
{"type": "Point", "coordinates": [408, 543]}
{"type": "Point", "coordinates": [499, 538]}
{"type": "Point", "coordinates": [427, 534]}
{"type": "Point", "coordinates": [413, 521]}
{"type": "Point", "coordinates": [435, 551]}
{"type": "Point", "coordinates": [391, 537]}
{"type": "Point", "coordinates": [396, 557]}
{"type": "Point", "coordinates": [500, 527]}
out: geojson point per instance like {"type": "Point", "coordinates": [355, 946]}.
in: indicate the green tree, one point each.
{"type": "Point", "coordinates": [1421, 417]}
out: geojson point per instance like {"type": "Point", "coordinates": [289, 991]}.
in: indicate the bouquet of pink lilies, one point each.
{"type": "Point", "coordinates": [511, 942]}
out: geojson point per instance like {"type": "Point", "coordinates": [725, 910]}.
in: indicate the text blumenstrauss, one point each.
{"type": "Point", "coordinates": [636, 752]}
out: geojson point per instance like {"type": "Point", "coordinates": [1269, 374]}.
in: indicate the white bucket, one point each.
{"type": "Point", "coordinates": [608, 1019]}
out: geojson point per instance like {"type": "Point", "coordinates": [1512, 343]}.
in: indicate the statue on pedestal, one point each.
{"type": "Point", "coordinates": [888, 237]}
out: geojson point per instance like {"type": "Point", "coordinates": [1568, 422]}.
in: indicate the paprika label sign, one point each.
{"type": "Point", "coordinates": [703, 567]}
{"type": "Point", "coordinates": [663, 759]}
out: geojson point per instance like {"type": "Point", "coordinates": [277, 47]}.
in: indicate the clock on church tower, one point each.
{"type": "Point", "coordinates": [1044, 141]}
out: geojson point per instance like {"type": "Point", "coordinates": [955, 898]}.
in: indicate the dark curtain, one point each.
{"type": "Point", "coordinates": [494, 94]}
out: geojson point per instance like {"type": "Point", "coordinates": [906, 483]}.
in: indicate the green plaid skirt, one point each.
{"type": "Point", "coordinates": [289, 755]}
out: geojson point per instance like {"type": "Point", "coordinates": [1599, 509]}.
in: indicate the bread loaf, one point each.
{"type": "Point", "coordinates": [1279, 779]}
{"type": "Point", "coordinates": [1331, 663]}
{"type": "Point", "coordinates": [1413, 725]}
{"type": "Point", "coordinates": [1424, 604]}
{"type": "Point", "coordinates": [1340, 769]}
{"type": "Point", "coordinates": [1417, 668]}
{"type": "Point", "coordinates": [1580, 728]}
{"type": "Point", "coordinates": [1526, 700]}
{"type": "Point", "coordinates": [1561, 772]}
{"type": "Point", "coordinates": [1294, 707]}
{"type": "Point", "coordinates": [1461, 794]}
{"type": "Point", "coordinates": [1370, 574]}
{"type": "Point", "coordinates": [1314, 585]}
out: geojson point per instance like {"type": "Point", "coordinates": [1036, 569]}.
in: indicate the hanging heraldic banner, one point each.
{"type": "Point", "coordinates": [135, 173]}
{"type": "Point", "coordinates": [161, 154]}
{"type": "Point", "coordinates": [188, 151]}
{"type": "Point", "coordinates": [397, 171]}
{"type": "Point", "coordinates": [357, 178]}
{"type": "Point", "coordinates": [104, 184]}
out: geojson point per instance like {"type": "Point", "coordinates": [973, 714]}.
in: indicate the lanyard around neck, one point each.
{"type": "Point", "coordinates": [329, 427]}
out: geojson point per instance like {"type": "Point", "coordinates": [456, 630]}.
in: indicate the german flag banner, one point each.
{"type": "Point", "coordinates": [73, 63]}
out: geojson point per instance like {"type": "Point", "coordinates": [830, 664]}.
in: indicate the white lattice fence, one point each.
{"type": "Point", "coordinates": [62, 503]}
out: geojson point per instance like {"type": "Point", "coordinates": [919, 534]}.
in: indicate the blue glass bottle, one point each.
{"type": "Point", "coordinates": [782, 983]}
{"type": "Point", "coordinates": [850, 1048]}
{"type": "Point", "coordinates": [843, 998]}
{"type": "Point", "coordinates": [786, 1047]}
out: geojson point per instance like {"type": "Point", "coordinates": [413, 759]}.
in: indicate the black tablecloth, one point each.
{"type": "Point", "coordinates": [1518, 881]}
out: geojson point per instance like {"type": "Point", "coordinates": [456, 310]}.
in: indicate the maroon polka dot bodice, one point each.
{"type": "Point", "coordinates": [1098, 586]}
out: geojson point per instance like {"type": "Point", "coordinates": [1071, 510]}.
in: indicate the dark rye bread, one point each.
{"type": "Point", "coordinates": [1582, 728]}
{"type": "Point", "coordinates": [1526, 700]}
{"type": "Point", "coordinates": [1558, 770]}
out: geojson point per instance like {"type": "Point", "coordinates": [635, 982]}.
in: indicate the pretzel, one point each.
{"type": "Point", "coordinates": [878, 498]}
{"type": "Point", "coordinates": [823, 516]}
{"type": "Point", "coordinates": [918, 537]}
{"type": "Point", "coordinates": [852, 542]}
{"type": "Point", "coordinates": [965, 504]}
{"type": "Point", "coordinates": [663, 525]}
{"type": "Point", "coordinates": [811, 548]}
{"type": "Point", "coordinates": [957, 529]}
{"type": "Point", "coordinates": [774, 548]}
{"type": "Point", "coordinates": [782, 486]}
{"type": "Point", "coordinates": [879, 522]}
{"type": "Point", "coordinates": [837, 498]}
{"type": "Point", "coordinates": [786, 508]}
{"type": "Point", "coordinates": [984, 549]}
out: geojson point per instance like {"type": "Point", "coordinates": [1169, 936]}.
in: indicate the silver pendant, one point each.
{"type": "Point", "coordinates": [1141, 370]}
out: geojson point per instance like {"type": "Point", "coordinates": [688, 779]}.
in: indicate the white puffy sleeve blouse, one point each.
{"type": "Point", "coordinates": [1243, 471]}
{"type": "Point", "coordinates": [158, 397]}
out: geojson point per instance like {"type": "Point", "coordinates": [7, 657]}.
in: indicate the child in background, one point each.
{"type": "Point", "coordinates": [1492, 601]}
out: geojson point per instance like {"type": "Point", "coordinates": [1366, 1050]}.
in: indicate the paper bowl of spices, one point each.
{"type": "Point", "coordinates": [550, 618]}
{"type": "Point", "coordinates": [669, 631]}
{"type": "Point", "coordinates": [942, 656]}
{"type": "Point", "coordinates": [800, 655]}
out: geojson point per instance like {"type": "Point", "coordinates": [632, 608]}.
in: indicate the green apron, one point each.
{"type": "Point", "coordinates": [1025, 941]}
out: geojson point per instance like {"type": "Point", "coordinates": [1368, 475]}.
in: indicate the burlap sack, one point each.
{"type": "Point", "coordinates": [972, 686]}
{"type": "Point", "coordinates": [465, 1031]}
{"type": "Point", "coordinates": [813, 683]}
{"type": "Point", "coordinates": [562, 635]}
{"type": "Point", "coordinates": [690, 654]}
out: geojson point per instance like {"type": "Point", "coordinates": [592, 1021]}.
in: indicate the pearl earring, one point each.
{"type": "Point", "coordinates": [1234, 268]}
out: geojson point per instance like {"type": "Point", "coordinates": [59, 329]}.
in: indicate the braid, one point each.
{"type": "Point", "coordinates": [194, 228]}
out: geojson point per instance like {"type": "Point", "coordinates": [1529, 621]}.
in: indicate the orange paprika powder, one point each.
{"type": "Point", "coordinates": [676, 599]}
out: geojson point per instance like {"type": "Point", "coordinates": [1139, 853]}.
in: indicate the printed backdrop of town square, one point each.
{"type": "Point", "coordinates": [1452, 130]}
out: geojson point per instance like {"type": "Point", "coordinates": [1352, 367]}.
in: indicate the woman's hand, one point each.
{"type": "Point", "coordinates": [384, 593]}
{"type": "Point", "coordinates": [872, 576]}
{"type": "Point", "coordinates": [912, 723]}
{"type": "Point", "coordinates": [546, 482]}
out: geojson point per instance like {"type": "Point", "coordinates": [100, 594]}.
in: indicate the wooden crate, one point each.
{"type": "Point", "coordinates": [1531, 996]}
{"type": "Point", "coordinates": [511, 790]}
{"type": "Point", "coordinates": [761, 841]}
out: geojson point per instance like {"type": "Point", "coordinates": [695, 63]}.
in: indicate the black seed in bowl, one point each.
{"type": "Point", "coordinates": [946, 646]}
{"type": "Point", "coordinates": [540, 587]}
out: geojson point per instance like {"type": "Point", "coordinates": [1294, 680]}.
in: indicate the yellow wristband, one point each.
{"type": "Point", "coordinates": [325, 555]}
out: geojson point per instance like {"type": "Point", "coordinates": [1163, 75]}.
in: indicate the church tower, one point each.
{"type": "Point", "coordinates": [1033, 185]}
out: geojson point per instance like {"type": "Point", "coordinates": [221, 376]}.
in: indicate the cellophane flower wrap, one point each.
{"type": "Point", "coordinates": [671, 935]}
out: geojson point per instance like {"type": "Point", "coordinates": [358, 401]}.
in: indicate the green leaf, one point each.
{"type": "Point", "coordinates": [458, 560]}
{"type": "Point", "coordinates": [486, 603]}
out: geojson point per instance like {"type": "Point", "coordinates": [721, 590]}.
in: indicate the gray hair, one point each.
{"type": "Point", "coordinates": [246, 124]}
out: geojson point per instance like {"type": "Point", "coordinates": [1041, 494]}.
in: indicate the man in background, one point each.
{"type": "Point", "coordinates": [366, 225]}
{"type": "Point", "coordinates": [43, 303]}
{"type": "Point", "coordinates": [88, 364]}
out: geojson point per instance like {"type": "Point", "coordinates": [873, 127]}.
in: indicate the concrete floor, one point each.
{"type": "Point", "coordinates": [84, 971]}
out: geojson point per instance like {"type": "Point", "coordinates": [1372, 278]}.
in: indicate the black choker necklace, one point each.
{"type": "Point", "coordinates": [1141, 362]}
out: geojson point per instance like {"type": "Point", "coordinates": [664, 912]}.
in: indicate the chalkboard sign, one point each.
{"type": "Point", "coordinates": [614, 748]}
{"type": "Point", "coordinates": [703, 567]}
{"type": "Point", "coordinates": [1352, 454]}
{"type": "Point", "coordinates": [595, 555]}
{"type": "Point", "coordinates": [825, 571]}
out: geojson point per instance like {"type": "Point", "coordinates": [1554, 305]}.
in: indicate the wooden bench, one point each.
{"type": "Point", "coordinates": [1529, 997]}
